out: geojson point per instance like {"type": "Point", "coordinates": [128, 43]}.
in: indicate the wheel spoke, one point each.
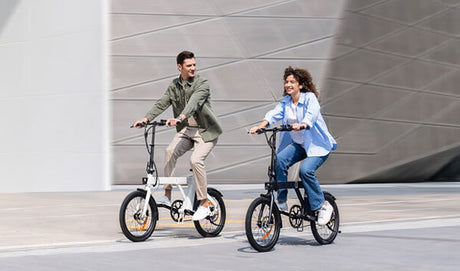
{"type": "Point", "coordinates": [262, 225]}
{"type": "Point", "coordinates": [135, 226]}
{"type": "Point", "coordinates": [214, 223]}
{"type": "Point", "coordinates": [326, 234]}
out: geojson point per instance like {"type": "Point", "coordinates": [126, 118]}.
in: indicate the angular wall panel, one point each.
{"type": "Point", "coordinates": [387, 72]}
{"type": "Point", "coordinates": [423, 100]}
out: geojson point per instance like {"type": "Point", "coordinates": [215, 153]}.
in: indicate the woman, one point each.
{"type": "Point", "coordinates": [300, 109]}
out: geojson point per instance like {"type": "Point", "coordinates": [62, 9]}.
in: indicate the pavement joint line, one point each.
{"type": "Point", "coordinates": [394, 202]}
{"type": "Point", "coordinates": [165, 236]}
{"type": "Point", "coordinates": [59, 206]}
{"type": "Point", "coordinates": [117, 245]}
{"type": "Point", "coordinates": [403, 210]}
{"type": "Point", "coordinates": [41, 217]}
{"type": "Point", "coordinates": [53, 245]}
{"type": "Point", "coordinates": [421, 224]}
{"type": "Point", "coordinates": [401, 220]}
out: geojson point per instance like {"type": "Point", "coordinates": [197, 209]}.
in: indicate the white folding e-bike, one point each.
{"type": "Point", "coordinates": [139, 211]}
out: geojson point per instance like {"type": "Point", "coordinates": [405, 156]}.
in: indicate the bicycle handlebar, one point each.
{"type": "Point", "coordinates": [153, 123]}
{"type": "Point", "coordinates": [282, 128]}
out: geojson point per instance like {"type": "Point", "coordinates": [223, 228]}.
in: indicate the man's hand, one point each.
{"type": "Point", "coordinates": [174, 122]}
{"type": "Point", "coordinates": [137, 123]}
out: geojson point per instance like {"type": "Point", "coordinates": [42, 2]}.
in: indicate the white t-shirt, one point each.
{"type": "Point", "coordinates": [291, 112]}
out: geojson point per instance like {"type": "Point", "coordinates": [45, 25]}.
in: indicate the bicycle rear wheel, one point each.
{"type": "Point", "coordinates": [327, 233]}
{"type": "Point", "coordinates": [135, 227]}
{"type": "Point", "coordinates": [212, 225]}
{"type": "Point", "coordinates": [262, 230]}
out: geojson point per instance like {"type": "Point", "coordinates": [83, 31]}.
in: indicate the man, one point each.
{"type": "Point", "coordinates": [196, 124]}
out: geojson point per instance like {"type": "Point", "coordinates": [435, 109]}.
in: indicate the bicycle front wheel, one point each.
{"type": "Point", "coordinates": [262, 230]}
{"type": "Point", "coordinates": [327, 233]}
{"type": "Point", "coordinates": [134, 225]}
{"type": "Point", "coordinates": [213, 224]}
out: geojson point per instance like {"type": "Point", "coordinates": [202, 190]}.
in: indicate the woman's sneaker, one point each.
{"type": "Point", "coordinates": [324, 214]}
{"type": "Point", "coordinates": [282, 206]}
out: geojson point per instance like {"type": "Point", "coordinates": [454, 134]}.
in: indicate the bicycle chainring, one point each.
{"type": "Point", "coordinates": [294, 216]}
{"type": "Point", "coordinates": [175, 206]}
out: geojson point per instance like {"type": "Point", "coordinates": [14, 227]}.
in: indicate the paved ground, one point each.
{"type": "Point", "coordinates": [398, 226]}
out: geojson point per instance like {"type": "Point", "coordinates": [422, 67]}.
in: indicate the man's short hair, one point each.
{"type": "Point", "coordinates": [183, 56]}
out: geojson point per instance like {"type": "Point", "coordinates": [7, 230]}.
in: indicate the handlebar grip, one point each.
{"type": "Point", "coordinates": [141, 124]}
{"type": "Point", "coordinates": [260, 131]}
{"type": "Point", "coordinates": [288, 127]}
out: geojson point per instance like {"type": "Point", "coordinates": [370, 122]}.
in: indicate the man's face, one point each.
{"type": "Point", "coordinates": [187, 69]}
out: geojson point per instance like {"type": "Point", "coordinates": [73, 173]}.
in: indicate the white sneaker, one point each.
{"type": "Point", "coordinates": [201, 213]}
{"type": "Point", "coordinates": [324, 213]}
{"type": "Point", "coordinates": [163, 200]}
{"type": "Point", "coordinates": [282, 206]}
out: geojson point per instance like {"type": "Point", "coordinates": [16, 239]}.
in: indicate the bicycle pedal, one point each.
{"type": "Point", "coordinates": [300, 228]}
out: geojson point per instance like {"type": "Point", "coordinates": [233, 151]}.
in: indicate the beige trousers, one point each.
{"type": "Point", "coordinates": [182, 142]}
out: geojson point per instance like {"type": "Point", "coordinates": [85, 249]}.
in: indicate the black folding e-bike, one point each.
{"type": "Point", "coordinates": [263, 218]}
{"type": "Point", "coordinates": [139, 212]}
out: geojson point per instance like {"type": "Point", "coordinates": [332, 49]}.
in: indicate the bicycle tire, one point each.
{"type": "Point", "coordinates": [212, 225]}
{"type": "Point", "coordinates": [262, 232]}
{"type": "Point", "coordinates": [134, 227]}
{"type": "Point", "coordinates": [326, 234]}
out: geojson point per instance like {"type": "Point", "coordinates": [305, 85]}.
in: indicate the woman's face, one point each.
{"type": "Point", "coordinates": [291, 85]}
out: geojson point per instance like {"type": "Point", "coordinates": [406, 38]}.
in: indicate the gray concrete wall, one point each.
{"type": "Point", "coordinates": [392, 95]}
{"type": "Point", "coordinates": [53, 99]}
{"type": "Point", "coordinates": [242, 47]}
{"type": "Point", "coordinates": [386, 72]}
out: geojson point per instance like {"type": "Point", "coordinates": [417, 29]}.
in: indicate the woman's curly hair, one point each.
{"type": "Point", "coordinates": [304, 79]}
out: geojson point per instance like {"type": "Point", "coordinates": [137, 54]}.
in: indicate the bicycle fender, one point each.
{"type": "Point", "coordinates": [145, 192]}
{"type": "Point", "coordinates": [328, 194]}
{"type": "Point", "coordinates": [215, 190]}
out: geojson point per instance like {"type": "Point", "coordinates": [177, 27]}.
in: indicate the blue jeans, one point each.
{"type": "Point", "coordinates": [292, 154]}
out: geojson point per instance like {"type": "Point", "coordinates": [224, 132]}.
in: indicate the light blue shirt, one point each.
{"type": "Point", "coordinates": [317, 139]}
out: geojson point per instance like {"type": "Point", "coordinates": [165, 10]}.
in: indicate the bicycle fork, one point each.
{"type": "Point", "coordinates": [270, 213]}
{"type": "Point", "coordinates": [148, 194]}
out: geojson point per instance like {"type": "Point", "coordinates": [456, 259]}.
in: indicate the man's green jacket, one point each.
{"type": "Point", "coordinates": [191, 98]}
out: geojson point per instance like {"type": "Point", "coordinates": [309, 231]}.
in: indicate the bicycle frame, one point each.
{"type": "Point", "coordinates": [263, 225]}
{"type": "Point", "coordinates": [139, 214]}
{"type": "Point", "coordinates": [152, 181]}
{"type": "Point", "coordinates": [273, 184]}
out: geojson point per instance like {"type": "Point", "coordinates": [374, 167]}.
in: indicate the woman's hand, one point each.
{"type": "Point", "coordinates": [254, 129]}
{"type": "Point", "coordinates": [299, 126]}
